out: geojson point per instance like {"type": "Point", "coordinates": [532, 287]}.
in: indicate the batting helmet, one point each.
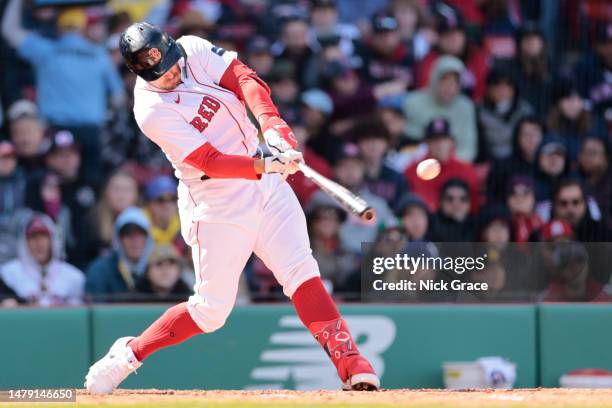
{"type": "Point", "coordinates": [148, 51]}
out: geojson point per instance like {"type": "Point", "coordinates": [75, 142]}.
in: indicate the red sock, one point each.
{"type": "Point", "coordinates": [313, 304]}
{"type": "Point", "coordinates": [173, 327]}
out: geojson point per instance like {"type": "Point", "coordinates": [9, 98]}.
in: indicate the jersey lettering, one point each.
{"type": "Point", "coordinates": [206, 111]}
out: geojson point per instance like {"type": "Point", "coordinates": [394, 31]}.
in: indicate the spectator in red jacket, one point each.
{"type": "Point", "coordinates": [521, 203]}
{"type": "Point", "coordinates": [454, 41]}
{"type": "Point", "coordinates": [441, 147]}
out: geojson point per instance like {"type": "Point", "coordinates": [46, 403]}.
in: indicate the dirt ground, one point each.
{"type": "Point", "coordinates": [408, 398]}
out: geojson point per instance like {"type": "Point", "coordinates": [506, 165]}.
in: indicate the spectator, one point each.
{"type": "Point", "coordinates": [453, 41]}
{"type": "Point", "coordinates": [414, 217]}
{"type": "Point", "coordinates": [43, 195]}
{"type": "Point", "coordinates": [336, 264]}
{"type": "Point", "coordinates": [552, 166]}
{"type": "Point", "coordinates": [531, 69]}
{"type": "Point", "coordinates": [440, 145]}
{"type": "Point", "coordinates": [73, 75]}
{"type": "Point", "coordinates": [114, 276]}
{"type": "Point", "coordinates": [570, 204]}
{"type": "Point", "coordinates": [316, 109]}
{"type": "Point", "coordinates": [593, 69]}
{"type": "Point", "coordinates": [38, 275]}
{"type": "Point", "coordinates": [294, 46]}
{"type": "Point", "coordinates": [570, 120]}
{"type": "Point", "coordinates": [443, 99]}
{"type": "Point", "coordinates": [594, 169]}
{"type": "Point", "coordinates": [498, 115]}
{"type": "Point", "coordinates": [302, 186]}
{"type": "Point", "coordinates": [119, 193]}
{"type": "Point", "coordinates": [521, 203]}
{"type": "Point", "coordinates": [527, 137]}
{"type": "Point", "coordinates": [409, 17]}
{"type": "Point", "coordinates": [373, 141]}
{"type": "Point", "coordinates": [324, 22]}
{"type": "Point", "coordinates": [78, 194]}
{"type": "Point", "coordinates": [285, 90]}
{"type": "Point", "coordinates": [495, 226]}
{"type": "Point", "coordinates": [162, 212]}
{"type": "Point", "coordinates": [259, 57]}
{"type": "Point", "coordinates": [27, 132]}
{"type": "Point", "coordinates": [12, 191]}
{"type": "Point", "coordinates": [162, 280]}
{"type": "Point", "coordinates": [349, 170]}
{"type": "Point", "coordinates": [385, 58]}
{"type": "Point", "coordinates": [453, 222]}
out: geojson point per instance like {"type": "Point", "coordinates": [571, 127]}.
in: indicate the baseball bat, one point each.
{"type": "Point", "coordinates": [344, 197]}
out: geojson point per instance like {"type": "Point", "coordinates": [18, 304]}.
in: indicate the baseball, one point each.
{"type": "Point", "coordinates": [428, 169]}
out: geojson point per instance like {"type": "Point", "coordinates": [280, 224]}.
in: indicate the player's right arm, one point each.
{"type": "Point", "coordinates": [183, 144]}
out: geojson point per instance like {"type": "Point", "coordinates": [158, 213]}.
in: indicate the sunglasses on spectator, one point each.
{"type": "Point", "coordinates": [453, 198]}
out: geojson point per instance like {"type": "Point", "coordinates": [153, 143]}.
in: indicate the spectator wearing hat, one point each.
{"type": "Point", "coordinates": [443, 99]}
{"type": "Point", "coordinates": [595, 172]}
{"type": "Point", "coordinates": [453, 221]}
{"type": "Point", "coordinates": [526, 138]}
{"type": "Point", "coordinates": [414, 217]}
{"type": "Point", "coordinates": [285, 90]}
{"type": "Point", "coordinates": [162, 212]}
{"type": "Point", "coordinates": [500, 111]}
{"type": "Point", "coordinates": [74, 75]}
{"type": "Point", "coordinates": [27, 133]}
{"type": "Point", "coordinates": [162, 281]}
{"type": "Point", "coordinates": [440, 146]}
{"type": "Point", "coordinates": [531, 68]}
{"type": "Point", "coordinates": [453, 41]}
{"type": "Point", "coordinates": [593, 70]}
{"type": "Point", "coordinates": [325, 218]}
{"type": "Point", "coordinates": [302, 186]}
{"type": "Point", "coordinates": [315, 112]}
{"type": "Point", "coordinates": [349, 171]}
{"type": "Point", "coordinates": [571, 204]}
{"type": "Point", "coordinates": [37, 274]}
{"type": "Point", "coordinates": [386, 60]}
{"type": "Point", "coordinates": [372, 139]}
{"type": "Point", "coordinates": [12, 191]}
{"type": "Point", "coordinates": [79, 195]}
{"type": "Point", "coordinates": [113, 276]}
{"type": "Point", "coordinates": [259, 57]}
{"type": "Point", "coordinates": [552, 166]}
{"type": "Point", "coordinates": [569, 118]}
{"type": "Point", "coordinates": [520, 200]}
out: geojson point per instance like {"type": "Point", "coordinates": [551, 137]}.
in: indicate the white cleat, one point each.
{"type": "Point", "coordinates": [108, 372]}
{"type": "Point", "coordinates": [362, 382]}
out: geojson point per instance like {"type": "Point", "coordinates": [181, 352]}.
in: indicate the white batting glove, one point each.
{"type": "Point", "coordinates": [278, 135]}
{"type": "Point", "coordinates": [283, 163]}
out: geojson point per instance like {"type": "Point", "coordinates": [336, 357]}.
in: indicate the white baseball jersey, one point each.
{"type": "Point", "coordinates": [197, 111]}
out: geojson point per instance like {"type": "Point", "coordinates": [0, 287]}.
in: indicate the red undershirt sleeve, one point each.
{"type": "Point", "coordinates": [245, 83]}
{"type": "Point", "coordinates": [218, 165]}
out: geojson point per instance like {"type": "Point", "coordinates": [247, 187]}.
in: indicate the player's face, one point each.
{"type": "Point", "coordinates": [170, 80]}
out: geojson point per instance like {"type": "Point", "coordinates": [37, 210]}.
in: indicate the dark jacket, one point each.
{"type": "Point", "coordinates": [445, 229]}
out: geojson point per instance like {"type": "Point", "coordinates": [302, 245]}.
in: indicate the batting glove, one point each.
{"type": "Point", "coordinates": [284, 163]}
{"type": "Point", "coordinates": [278, 135]}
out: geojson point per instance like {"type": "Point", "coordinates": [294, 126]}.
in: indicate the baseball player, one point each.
{"type": "Point", "coordinates": [191, 99]}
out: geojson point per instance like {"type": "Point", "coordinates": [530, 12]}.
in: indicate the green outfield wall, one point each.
{"type": "Point", "coordinates": [267, 347]}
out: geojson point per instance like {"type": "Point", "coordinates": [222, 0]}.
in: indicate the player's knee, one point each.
{"type": "Point", "coordinates": [299, 273]}
{"type": "Point", "coordinates": [209, 315]}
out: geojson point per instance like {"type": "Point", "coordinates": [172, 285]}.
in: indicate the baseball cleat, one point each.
{"type": "Point", "coordinates": [108, 372]}
{"type": "Point", "coordinates": [361, 375]}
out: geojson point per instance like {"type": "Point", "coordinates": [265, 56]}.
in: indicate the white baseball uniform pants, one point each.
{"type": "Point", "coordinates": [224, 221]}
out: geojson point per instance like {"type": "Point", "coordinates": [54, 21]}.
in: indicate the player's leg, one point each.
{"type": "Point", "coordinates": [283, 245]}
{"type": "Point", "coordinates": [217, 275]}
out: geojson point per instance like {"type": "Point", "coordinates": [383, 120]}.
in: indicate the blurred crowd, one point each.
{"type": "Point", "coordinates": [511, 97]}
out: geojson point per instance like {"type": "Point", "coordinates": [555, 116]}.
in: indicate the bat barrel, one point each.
{"type": "Point", "coordinates": [368, 214]}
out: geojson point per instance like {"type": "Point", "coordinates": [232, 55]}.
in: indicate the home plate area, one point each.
{"type": "Point", "coordinates": [424, 398]}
